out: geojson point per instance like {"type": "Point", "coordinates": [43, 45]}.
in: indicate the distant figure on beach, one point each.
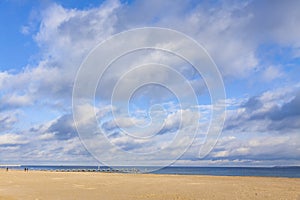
{"type": "Point", "coordinates": [7, 169]}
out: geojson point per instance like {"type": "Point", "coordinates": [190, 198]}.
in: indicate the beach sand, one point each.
{"type": "Point", "coordinates": [35, 185]}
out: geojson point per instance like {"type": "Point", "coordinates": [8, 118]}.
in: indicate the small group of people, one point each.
{"type": "Point", "coordinates": [26, 169]}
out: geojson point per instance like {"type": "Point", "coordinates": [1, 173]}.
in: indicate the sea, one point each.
{"type": "Point", "coordinates": [289, 171]}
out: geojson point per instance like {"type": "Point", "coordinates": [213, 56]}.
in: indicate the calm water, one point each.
{"type": "Point", "coordinates": [234, 171]}
{"type": "Point", "coordinates": [218, 171]}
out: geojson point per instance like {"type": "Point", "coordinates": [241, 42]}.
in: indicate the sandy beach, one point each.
{"type": "Point", "coordinates": [89, 185]}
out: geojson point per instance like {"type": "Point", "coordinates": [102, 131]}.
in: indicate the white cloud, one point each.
{"type": "Point", "coordinates": [46, 136]}
{"type": "Point", "coordinates": [7, 120]}
{"type": "Point", "coordinates": [221, 154]}
{"type": "Point", "coordinates": [25, 30]}
{"type": "Point", "coordinates": [60, 36]}
{"type": "Point", "coordinates": [3, 79]}
{"type": "Point", "coordinates": [271, 73]}
{"type": "Point", "coordinates": [183, 118]}
{"type": "Point", "coordinates": [62, 47]}
{"type": "Point", "coordinates": [12, 139]}
{"type": "Point", "coordinates": [220, 30]}
{"type": "Point", "coordinates": [15, 100]}
{"type": "Point", "coordinates": [224, 31]}
{"type": "Point", "coordinates": [231, 33]}
{"type": "Point", "coordinates": [281, 22]}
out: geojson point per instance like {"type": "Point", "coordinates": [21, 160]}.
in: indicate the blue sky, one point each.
{"type": "Point", "coordinates": [255, 45]}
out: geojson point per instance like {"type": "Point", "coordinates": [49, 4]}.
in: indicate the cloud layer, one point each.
{"type": "Point", "coordinates": [262, 126]}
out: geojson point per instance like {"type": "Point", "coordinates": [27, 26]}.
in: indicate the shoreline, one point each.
{"type": "Point", "coordinates": [154, 174]}
{"type": "Point", "coordinates": [18, 184]}
{"type": "Point", "coordinates": [134, 171]}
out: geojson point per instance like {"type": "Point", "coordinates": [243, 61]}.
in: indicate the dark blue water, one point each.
{"type": "Point", "coordinates": [234, 171]}
{"type": "Point", "coordinates": [292, 172]}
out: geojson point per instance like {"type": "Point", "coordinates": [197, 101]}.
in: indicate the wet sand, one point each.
{"type": "Point", "coordinates": [35, 185]}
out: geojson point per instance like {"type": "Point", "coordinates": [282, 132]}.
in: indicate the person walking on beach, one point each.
{"type": "Point", "coordinates": [7, 169]}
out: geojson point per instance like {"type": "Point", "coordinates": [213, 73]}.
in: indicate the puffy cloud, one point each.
{"type": "Point", "coordinates": [232, 34]}
{"type": "Point", "coordinates": [262, 130]}
{"type": "Point", "coordinates": [267, 112]}
{"type": "Point", "coordinates": [181, 119]}
{"type": "Point", "coordinates": [280, 22]}
{"type": "Point", "coordinates": [15, 101]}
{"type": "Point", "coordinates": [12, 139]}
{"type": "Point", "coordinates": [60, 37]}
{"type": "Point", "coordinates": [121, 122]}
{"type": "Point", "coordinates": [272, 73]}
{"type": "Point", "coordinates": [289, 109]}
{"type": "Point", "coordinates": [3, 79]}
{"type": "Point", "coordinates": [63, 128]}
{"type": "Point", "coordinates": [63, 47]}
{"type": "Point", "coordinates": [260, 148]}
{"type": "Point", "coordinates": [252, 104]}
{"type": "Point", "coordinates": [8, 120]}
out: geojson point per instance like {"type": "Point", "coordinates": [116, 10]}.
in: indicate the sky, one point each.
{"type": "Point", "coordinates": [255, 46]}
